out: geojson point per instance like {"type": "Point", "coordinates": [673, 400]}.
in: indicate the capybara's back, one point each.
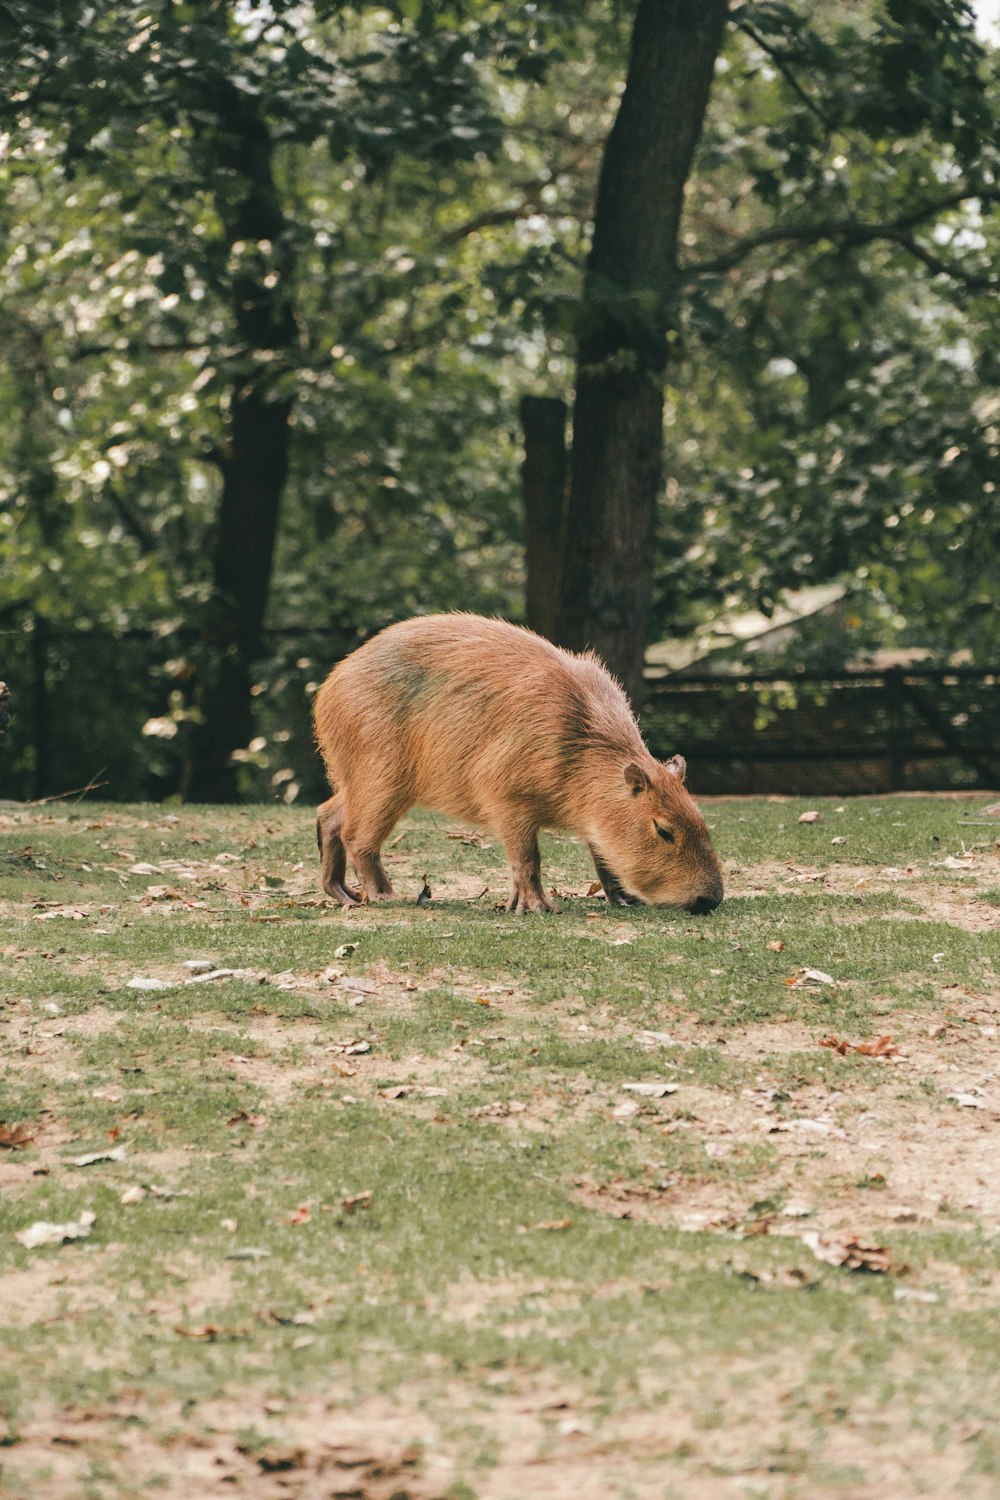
{"type": "Point", "coordinates": [493, 724]}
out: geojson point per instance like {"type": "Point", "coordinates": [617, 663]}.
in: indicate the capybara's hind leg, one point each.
{"type": "Point", "coordinates": [365, 831]}
{"type": "Point", "coordinates": [332, 854]}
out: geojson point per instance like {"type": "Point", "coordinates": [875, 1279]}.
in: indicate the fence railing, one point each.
{"type": "Point", "coordinates": [902, 729]}
{"type": "Point", "coordinates": [81, 698]}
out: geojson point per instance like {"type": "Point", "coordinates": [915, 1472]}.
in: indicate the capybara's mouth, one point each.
{"type": "Point", "coordinates": [702, 905]}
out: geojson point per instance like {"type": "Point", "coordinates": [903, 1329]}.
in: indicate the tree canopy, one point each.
{"type": "Point", "coordinates": [273, 278]}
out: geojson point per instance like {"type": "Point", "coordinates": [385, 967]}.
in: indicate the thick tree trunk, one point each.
{"type": "Point", "coordinates": [626, 322]}
{"type": "Point", "coordinates": [543, 480]}
{"type": "Point", "coordinates": [254, 466]}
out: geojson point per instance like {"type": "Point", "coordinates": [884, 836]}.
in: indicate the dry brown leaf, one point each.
{"type": "Point", "coordinates": [15, 1137]}
{"type": "Point", "coordinates": [241, 1117]}
{"type": "Point", "coordinates": [470, 837]}
{"type": "Point", "coordinates": [776, 947]}
{"type": "Point", "coordinates": [853, 1254]}
{"type": "Point", "coordinates": [359, 1200]}
{"type": "Point", "coordinates": [553, 1224]}
{"type": "Point", "coordinates": [810, 817]}
{"type": "Point", "coordinates": [880, 1046]}
{"type": "Point", "coordinates": [300, 1215]}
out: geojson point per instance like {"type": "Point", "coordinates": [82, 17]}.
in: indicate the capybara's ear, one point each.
{"type": "Point", "coordinates": [636, 779]}
{"type": "Point", "coordinates": [677, 766]}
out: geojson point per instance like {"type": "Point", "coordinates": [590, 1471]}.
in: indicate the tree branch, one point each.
{"type": "Point", "coordinates": [854, 232]}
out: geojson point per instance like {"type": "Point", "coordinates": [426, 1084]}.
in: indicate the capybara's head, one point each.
{"type": "Point", "coordinates": [657, 842]}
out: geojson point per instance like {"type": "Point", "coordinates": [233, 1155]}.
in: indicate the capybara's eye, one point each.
{"type": "Point", "coordinates": [667, 834]}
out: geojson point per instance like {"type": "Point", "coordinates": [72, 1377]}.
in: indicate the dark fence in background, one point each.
{"type": "Point", "coordinates": [905, 729]}
{"type": "Point", "coordinates": [81, 699]}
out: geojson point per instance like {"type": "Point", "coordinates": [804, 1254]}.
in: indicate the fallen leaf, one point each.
{"type": "Point", "coordinates": [117, 1153]}
{"type": "Point", "coordinates": [810, 979]}
{"type": "Point", "coordinates": [15, 1137]}
{"type": "Point", "coordinates": [241, 1117]}
{"type": "Point", "coordinates": [651, 1090]}
{"type": "Point", "coordinates": [880, 1046]}
{"type": "Point", "coordinates": [345, 950]}
{"type": "Point", "coordinates": [840, 839]}
{"type": "Point", "coordinates": [552, 1225]}
{"type": "Point", "coordinates": [300, 1215]}
{"type": "Point", "coordinates": [776, 947]}
{"type": "Point", "coordinates": [44, 1233]}
{"type": "Point", "coordinates": [133, 1194]}
{"type": "Point", "coordinates": [810, 817]}
{"type": "Point", "coordinates": [359, 1200]}
{"type": "Point", "coordinates": [595, 888]}
{"type": "Point", "coordinates": [852, 1254]}
{"type": "Point", "coordinates": [808, 1127]}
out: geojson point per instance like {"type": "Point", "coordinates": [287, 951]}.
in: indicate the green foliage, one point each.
{"type": "Point", "coordinates": [833, 404]}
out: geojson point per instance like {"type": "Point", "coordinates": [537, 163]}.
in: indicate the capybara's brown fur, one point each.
{"type": "Point", "coordinates": [496, 726]}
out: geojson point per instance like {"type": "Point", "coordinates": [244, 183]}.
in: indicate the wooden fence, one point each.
{"type": "Point", "coordinates": [80, 700]}
{"type": "Point", "coordinates": [905, 729]}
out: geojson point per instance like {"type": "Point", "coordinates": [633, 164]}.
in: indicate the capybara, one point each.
{"type": "Point", "coordinates": [496, 726]}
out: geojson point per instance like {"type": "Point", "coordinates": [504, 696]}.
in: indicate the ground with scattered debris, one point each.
{"type": "Point", "coordinates": [430, 1201]}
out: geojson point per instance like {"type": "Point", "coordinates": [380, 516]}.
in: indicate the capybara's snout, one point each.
{"type": "Point", "coordinates": [702, 905]}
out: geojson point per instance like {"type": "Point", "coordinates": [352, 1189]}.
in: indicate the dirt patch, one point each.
{"type": "Point", "coordinates": [515, 1433]}
{"type": "Point", "coordinates": [942, 896]}
{"type": "Point", "coordinates": [900, 1140]}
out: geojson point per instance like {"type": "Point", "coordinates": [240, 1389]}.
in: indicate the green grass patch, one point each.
{"type": "Point", "coordinates": [414, 1174]}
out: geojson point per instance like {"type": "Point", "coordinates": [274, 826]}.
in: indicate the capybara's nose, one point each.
{"type": "Point", "coordinates": [704, 904]}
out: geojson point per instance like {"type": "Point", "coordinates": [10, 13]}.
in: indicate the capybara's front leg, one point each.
{"type": "Point", "coordinates": [526, 869]}
{"type": "Point", "coordinates": [614, 890]}
{"type": "Point", "coordinates": [332, 854]}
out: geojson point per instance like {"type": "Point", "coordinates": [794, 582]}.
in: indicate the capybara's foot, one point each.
{"type": "Point", "coordinates": [522, 901]}
{"type": "Point", "coordinates": [618, 897]}
{"type": "Point", "coordinates": [345, 894]}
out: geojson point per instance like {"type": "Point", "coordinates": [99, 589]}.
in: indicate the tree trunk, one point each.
{"type": "Point", "coordinates": [625, 333]}
{"type": "Point", "coordinates": [255, 463]}
{"type": "Point", "coordinates": [543, 479]}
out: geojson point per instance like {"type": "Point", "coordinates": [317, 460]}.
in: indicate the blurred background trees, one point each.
{"type": "Point", "coordinates": [275, 279]}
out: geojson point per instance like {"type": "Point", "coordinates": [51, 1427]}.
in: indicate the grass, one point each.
{"type": "Point", "coordinates": [467, 1235]}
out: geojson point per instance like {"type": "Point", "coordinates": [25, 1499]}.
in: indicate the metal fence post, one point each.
{"type": "Point", "coordinates": [896, 747]}
{"type": "Point", "coordinates": [40, 696]}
